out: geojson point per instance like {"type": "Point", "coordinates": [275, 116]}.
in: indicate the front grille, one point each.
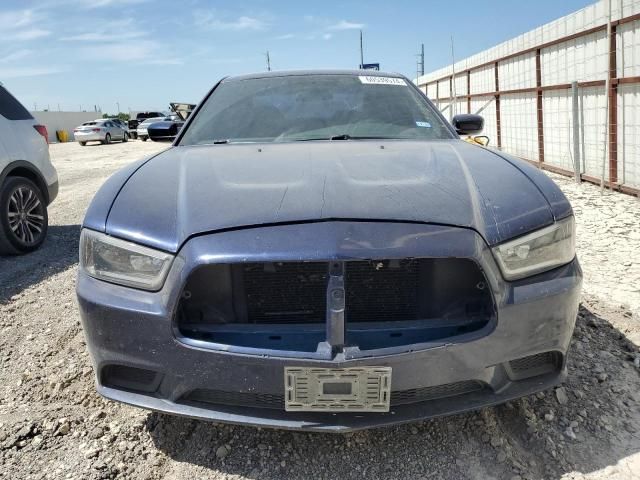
{"type": "Point", "coordinates": [276, 401]}
{"type": "Point", "coordinates": [286, 292]}
{"type": "Point", "coordinates": [534, 365]}
{"type": "Point", "coordinates": [241, 399]}
{"type": "Point", "coordinates": [416, 395]}
{"type": "Point", "coordinates": [382, 290]}
{"type": "Point", "coordinates": [130, 378]}
{"type": "Point", "coordinates": [387, 303]}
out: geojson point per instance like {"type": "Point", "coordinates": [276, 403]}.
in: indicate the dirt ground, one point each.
{"type": "Point", "coordinates": [53, 425]}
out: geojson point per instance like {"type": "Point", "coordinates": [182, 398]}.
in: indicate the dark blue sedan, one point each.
{"type": "Point", "coordinates": [321, 251]}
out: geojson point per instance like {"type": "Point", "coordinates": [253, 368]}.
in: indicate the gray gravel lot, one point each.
{"type": "Point", "coordinates": [54, 425]}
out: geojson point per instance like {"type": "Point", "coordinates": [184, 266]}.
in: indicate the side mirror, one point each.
{"type": "Point", "coordinates": [468, 124]}
{"type": "Point", "coordinates": [162, 131]}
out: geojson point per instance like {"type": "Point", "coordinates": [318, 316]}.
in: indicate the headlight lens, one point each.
{"type": "Point", "coordinates": [536, 252]}
{"type": "Point", "coordinates": [125, 263]}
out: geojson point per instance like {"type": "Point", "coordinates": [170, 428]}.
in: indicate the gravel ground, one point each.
{"type": "Point", "coordinates": [54, 425]}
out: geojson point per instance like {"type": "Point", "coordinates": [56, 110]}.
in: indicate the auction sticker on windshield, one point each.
{"type": "Point", "coordinates": [370, 80]}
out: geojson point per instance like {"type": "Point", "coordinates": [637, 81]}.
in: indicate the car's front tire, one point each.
{"type": "Point", "coordinates": [82, 144]}
{"type": "Point", "coordinates": [125, 137]}
{"type": "Point", "coordinates": [23, 216]}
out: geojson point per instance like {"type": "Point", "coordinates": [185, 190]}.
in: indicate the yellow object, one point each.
{"type": "Point", "coordinates": [479, 140]}
{"type": "Point", "coordinates": [62, 136]}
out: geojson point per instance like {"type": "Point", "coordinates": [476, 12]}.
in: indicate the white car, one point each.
{"type": "Point", "coordinates": [101, 130]}
{"type": "Point", "coordinates": [28, 180]}
{"type": "Point", "coordinates": [142, 128]}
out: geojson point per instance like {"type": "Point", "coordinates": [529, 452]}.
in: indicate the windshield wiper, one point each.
{"type": "Point", "coordinates": [344, 136]}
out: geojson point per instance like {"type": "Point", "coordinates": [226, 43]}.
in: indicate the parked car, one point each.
{"type": "Point", "coordinates": [124, 125]}
{"type": "Point", "coordinates": [141, 117]}
{"type": "Point", "coordinates": [28, 180]}
{"type": "Point", "coordinates": [101, 130]}
{"type": "Point", "coordinates": [141, 131]}
{"type": "Point", "coordinates": [166, 130]}
{"type": "Point", "coordinates": [321, 251]}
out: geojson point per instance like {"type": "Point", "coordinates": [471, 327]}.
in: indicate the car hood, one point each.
{"type": "Point", "coordinates": [190, 190]}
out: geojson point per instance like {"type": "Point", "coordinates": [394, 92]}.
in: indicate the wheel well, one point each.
{"type": "Point", "coordinates": [31, 175]}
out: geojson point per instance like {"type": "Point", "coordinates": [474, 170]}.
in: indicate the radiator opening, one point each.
{"type": "Point", "coordinates": [282, 305]}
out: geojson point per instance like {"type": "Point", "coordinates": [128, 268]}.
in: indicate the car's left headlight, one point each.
{"type": "Point", "coordinates": [536, 252]}
{"type": "Point", "coordinates": [125, 263]}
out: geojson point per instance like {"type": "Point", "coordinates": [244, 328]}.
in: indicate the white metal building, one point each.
{"type": "Point", "coordinates": [523, 88]}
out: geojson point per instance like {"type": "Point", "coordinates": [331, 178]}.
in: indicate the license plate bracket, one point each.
{"type": "Point", "coordinates": [354, 389]}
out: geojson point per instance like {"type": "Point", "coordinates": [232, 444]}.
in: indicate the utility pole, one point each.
{"type": "Point", "coordinates": [454, 110]}
{"type": "Point", "coordinates": [420, 66]}
{"type": "Point", "coordinates": [361, 51]}
{"type": "Point", "coordinates": [268, 62]}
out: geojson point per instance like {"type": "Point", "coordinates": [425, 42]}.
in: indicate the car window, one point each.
{"type": "Point", "coordinates": [89, 123]}
{"type": "Point", "coordinates": [315, 107]}
{"type": "Point", "coordinates": [10, 108]}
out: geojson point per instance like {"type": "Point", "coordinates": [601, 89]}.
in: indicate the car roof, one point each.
{"type": "Point", "coordinates": [300, 73]}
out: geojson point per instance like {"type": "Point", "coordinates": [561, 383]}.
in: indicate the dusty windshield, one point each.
{"type": "Point", "coordinates": [314, 107]}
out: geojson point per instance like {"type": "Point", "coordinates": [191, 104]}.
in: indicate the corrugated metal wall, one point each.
{"type": "Point", "coordinates": [66, 121]}
{"type": "Point", "coordinates": [522, 88]}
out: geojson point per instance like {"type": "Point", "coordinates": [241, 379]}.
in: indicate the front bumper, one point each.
{"type": "Point", "coordinates": [131, 328]}
{"type": "Point", "coordinates": [52, 191]}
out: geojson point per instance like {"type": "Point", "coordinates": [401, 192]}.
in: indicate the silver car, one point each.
{"type": "Point", "coordinates": [102, 130]}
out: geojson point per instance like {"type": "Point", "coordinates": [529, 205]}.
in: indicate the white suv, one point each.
{"type": "Point", "coordinates": [28, 180]}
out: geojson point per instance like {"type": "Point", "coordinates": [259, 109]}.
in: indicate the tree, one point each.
{"type": "Point", "coordinates": [122, 116]}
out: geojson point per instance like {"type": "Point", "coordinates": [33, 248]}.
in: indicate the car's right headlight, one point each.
{"type": "Point", "coordinates": [536, 252]}
{"type": "Point", "coordinates": [125, 263]}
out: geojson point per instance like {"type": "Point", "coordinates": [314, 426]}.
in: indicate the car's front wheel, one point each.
{"type": "Point", "coordinates": [125, 137]}
{"type": "Point", "coordinates": [82, 144]}
{"type": "Point", "coordinates": [23, 216]}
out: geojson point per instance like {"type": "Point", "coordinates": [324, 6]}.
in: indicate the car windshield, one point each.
{"type": "Point", "coordinates": [151, 120]}
{"type": "Point", "coordinates": [314, 107]}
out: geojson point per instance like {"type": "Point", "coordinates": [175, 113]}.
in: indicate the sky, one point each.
{"type": "Point", "coordinates": [143, 54]}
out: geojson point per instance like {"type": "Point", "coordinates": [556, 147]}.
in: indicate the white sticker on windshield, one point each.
{"type": "Point", "coordinates": [423, 124]}
{"type": "Point", "coordinates": [372, 80]}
